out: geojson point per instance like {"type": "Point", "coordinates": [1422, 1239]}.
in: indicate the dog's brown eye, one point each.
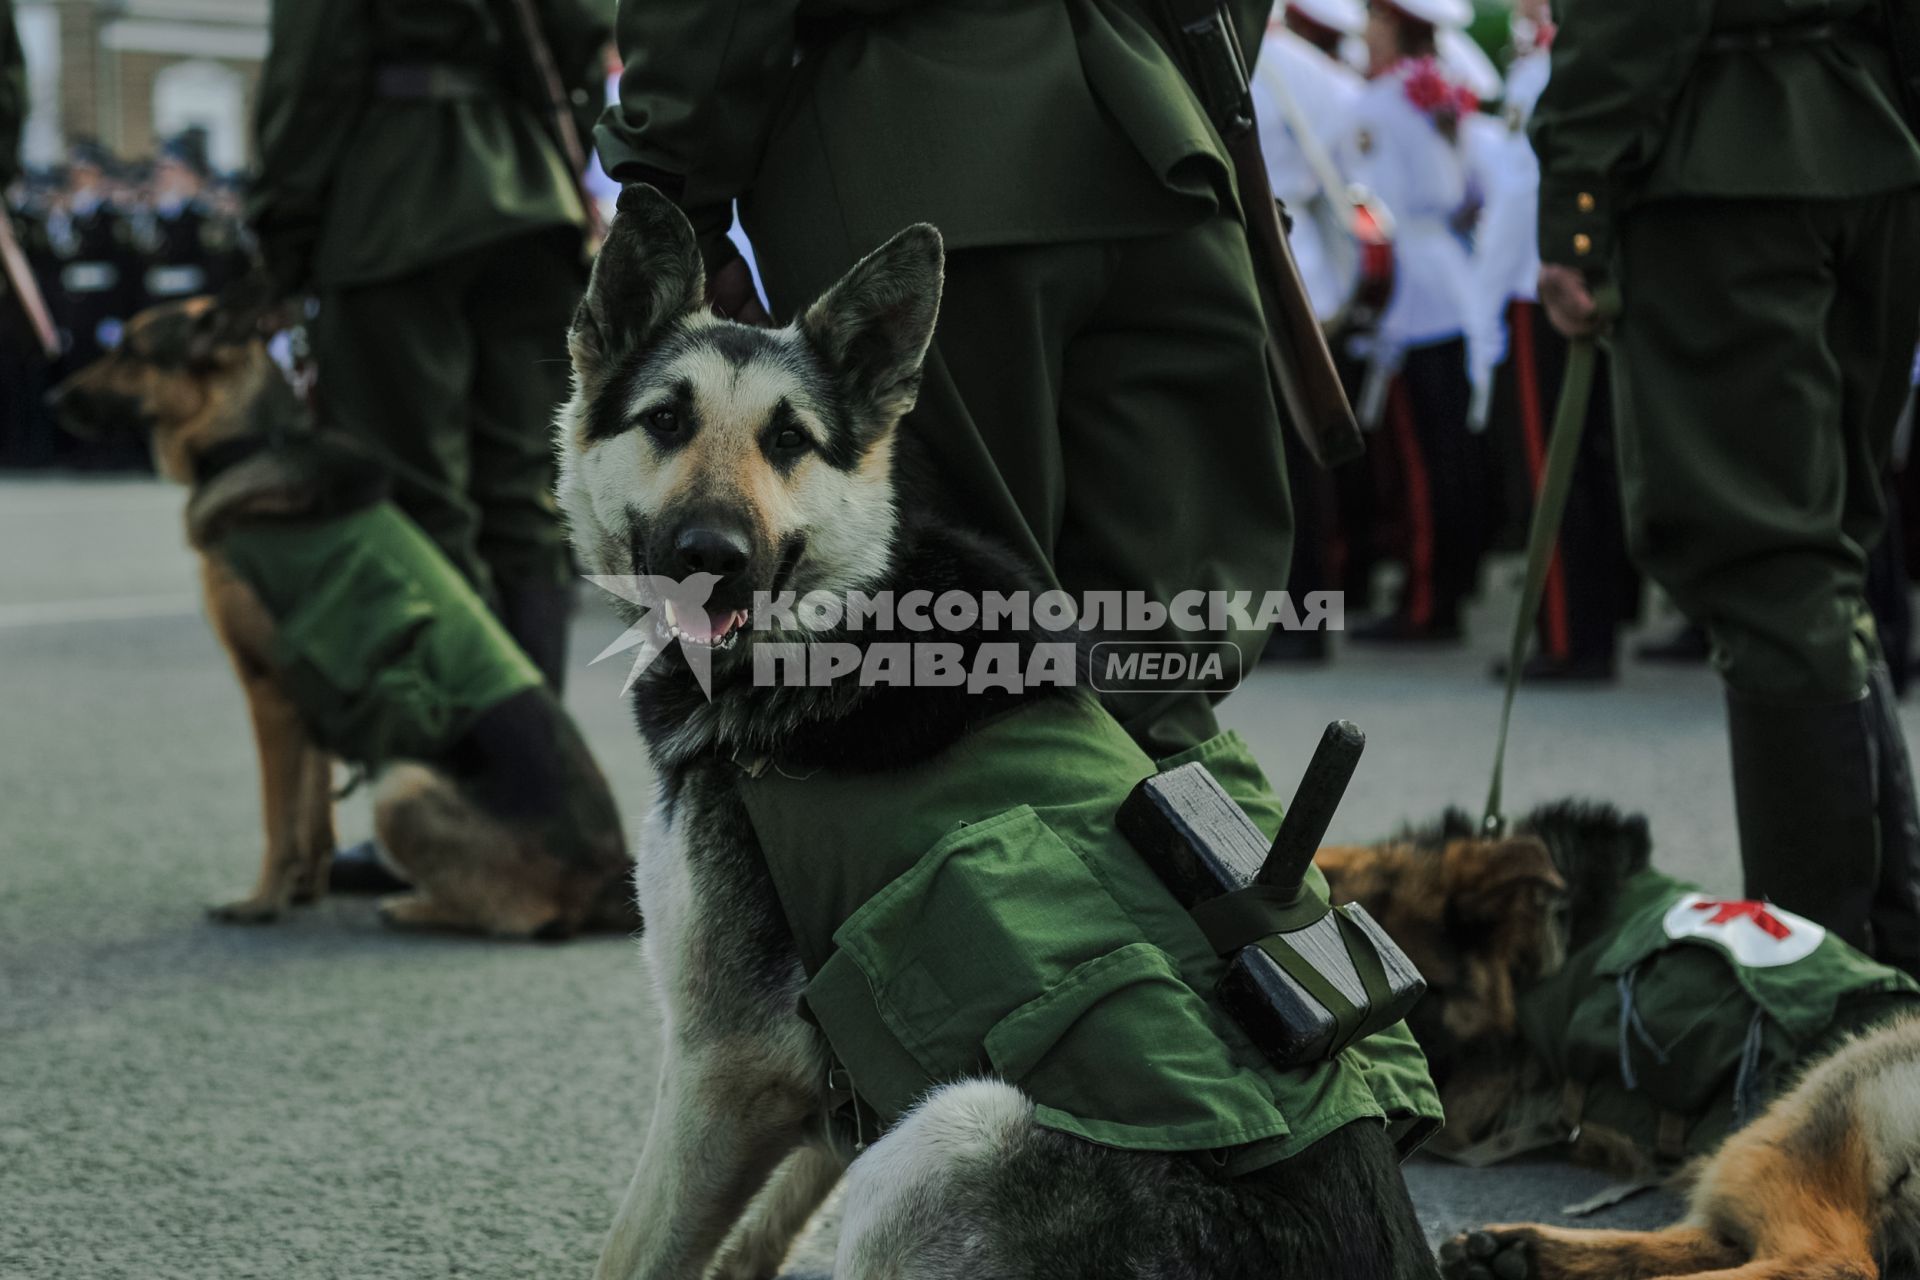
{"type": "Point", "coordinates": [790, 440]}
{"type": "Point", "coordinates": [663, 422]}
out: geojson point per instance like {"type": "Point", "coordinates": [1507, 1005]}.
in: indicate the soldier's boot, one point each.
{"type": "Point", "coordinates": [1896, 902]}
{"type": "Point", "coordinates": [539, 619]}
{"type": "Point", "coordinates": [1805, 793]}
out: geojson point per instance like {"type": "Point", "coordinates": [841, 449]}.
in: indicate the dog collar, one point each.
{"type": "Point", "coordinates": [225, 454]}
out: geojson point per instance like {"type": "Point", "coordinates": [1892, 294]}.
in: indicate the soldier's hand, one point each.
{"type": "Point", "coordinates": [1569, 303]}
{"type": "Point", "coordinates": [730, 290]}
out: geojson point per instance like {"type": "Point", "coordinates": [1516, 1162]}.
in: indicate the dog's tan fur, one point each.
{"type": "Point", "coordinates": [1820, 1187]}
{"type": "Point", "coordinates": [470, 870]}
{"type": "Point", "coordinates": [1477, 918]}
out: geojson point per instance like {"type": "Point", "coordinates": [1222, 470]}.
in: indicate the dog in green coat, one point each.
{"type": "Point", "coordinates": [354, 638]}
{"type": "Point", "coordinates": [729, 463]}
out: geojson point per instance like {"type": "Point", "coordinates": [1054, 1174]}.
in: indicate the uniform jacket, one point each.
{"type": "Point", "coordinates": [1656, 99]}
{"type": "Point", "coordinates": [837, 122]}
{"type": "Point", "coordinates": [1035, 944]}
{"type": "Point", "coordinates": [357, 187]}
{"type": "Point", "coordinates": [1327, 93]}
{"type": "Point", "coordinates": [1420, 174]}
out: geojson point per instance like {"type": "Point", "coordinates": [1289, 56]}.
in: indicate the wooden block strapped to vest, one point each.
{"type": "Point", "coordinates": [1306, 980]}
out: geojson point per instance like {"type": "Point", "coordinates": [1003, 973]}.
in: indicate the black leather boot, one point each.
{"type": "Point", "coordinates": [539, 618]}
{"type": "Point", "coordinates": [1804, 791]}
{"type": "Point", "coordinates": [359, 868]}
{"type": "Point", "coordinates": [1896, 902]}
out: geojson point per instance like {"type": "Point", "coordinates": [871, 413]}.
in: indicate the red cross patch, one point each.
{"type": "Point", "coordinates": [1758, 935]}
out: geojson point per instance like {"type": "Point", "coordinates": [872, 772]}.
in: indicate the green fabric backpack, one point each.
{"type": "Point", "coordinates": [1683, 1019]}
{"type": "Point", "coordinates": [965, 934]}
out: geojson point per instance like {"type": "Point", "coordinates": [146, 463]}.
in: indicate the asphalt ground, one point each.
{"type": "Point", "coordinates": [325, 1098]}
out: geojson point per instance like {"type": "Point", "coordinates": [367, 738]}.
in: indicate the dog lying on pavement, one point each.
{"type": "Point", "coordinates": [763, 461]}
{"type": "Point", "coordinates": [353, 636]}
{"type": "Point", "coordinates": [1820, 1187]}
{"type": "Point", "coordinates": [1524, 938]}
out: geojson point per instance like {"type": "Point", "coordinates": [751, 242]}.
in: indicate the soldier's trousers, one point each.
{"type": "Point", "coordinates": [1443, 483]}
{"type": "Point", "coordinates": [1759, 365]}
{"type": "Point", "coordinates": [452, 374]}
{"type": "Point", "coordinates": [1105, 409]}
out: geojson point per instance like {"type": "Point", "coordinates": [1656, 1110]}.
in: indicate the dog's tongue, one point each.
{"type": "Point", "coordinates": [703, 627]}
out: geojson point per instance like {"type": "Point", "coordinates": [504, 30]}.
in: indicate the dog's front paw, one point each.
{"type": "Point", "coordinates": [1493, 1254]}
{"type": "Point", "coordinates": [254, 910]}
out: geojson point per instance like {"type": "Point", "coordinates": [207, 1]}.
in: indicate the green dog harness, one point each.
{"type": "Point", "coordinates": [949, 935]}
{"type": "Point", "coordinates": [1678, 1024]}
{"type": "Point", "coordinates": [382, 645]}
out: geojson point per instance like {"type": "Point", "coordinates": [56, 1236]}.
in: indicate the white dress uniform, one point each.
{"type": "Point", "coordinates": [1399, 153]}
{"type": "Point", "coordinates": [1326, 93]}
{"type": "Point", "coordinates": [1506, 250]}
{"type": "Point", "coordinates": [1409, 151]}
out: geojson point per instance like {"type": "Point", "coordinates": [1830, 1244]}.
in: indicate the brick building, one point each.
{"type": "Point", "coordinates": [130, 72]}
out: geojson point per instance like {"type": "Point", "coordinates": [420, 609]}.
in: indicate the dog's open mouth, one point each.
{"type": "Point", "coordinates": [711, 630]}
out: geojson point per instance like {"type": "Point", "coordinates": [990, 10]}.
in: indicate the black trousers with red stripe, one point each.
{"type": "Point", "coordinates": [1592, 585]}
{"type": "Point", "coordinates": [1445, 486]}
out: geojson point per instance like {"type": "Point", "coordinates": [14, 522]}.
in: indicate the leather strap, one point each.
{"type": "Point", "coordinates": [1549, 505]}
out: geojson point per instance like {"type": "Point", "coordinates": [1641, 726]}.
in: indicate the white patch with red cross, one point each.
{"type": "Point", "coordinates": [1759, 935]}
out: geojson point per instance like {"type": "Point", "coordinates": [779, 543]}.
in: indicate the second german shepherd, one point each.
{"type": "Point", "coordinates": [1821, 1187]}
{"type": "Point", "coordinates": [766, 458]}
{"type": "Point", "coordinates": [511, 830]}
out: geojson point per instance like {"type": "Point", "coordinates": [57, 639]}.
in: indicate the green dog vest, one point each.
{"type": "Point", "coordinates": [386, 650]}
{"type": "Point", "coordinates": [1689, 1013]}
{"type": "Point", "coordinates": [947, 935]}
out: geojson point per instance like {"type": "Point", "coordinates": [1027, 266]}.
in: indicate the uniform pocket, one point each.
{"type": "Point", "coordinates": [352, 660]}
{"type": "Point", "coordinates": [1000, 952]}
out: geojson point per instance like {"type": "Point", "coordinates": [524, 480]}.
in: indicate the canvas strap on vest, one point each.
{"type": "Point", "coordinates": [1549, 505]}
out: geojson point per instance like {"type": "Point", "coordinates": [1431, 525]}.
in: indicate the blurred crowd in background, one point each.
{"type": "Point", "coordinates": [106, 237]}
{"type": "Point", "coordinates": [1396, 138]}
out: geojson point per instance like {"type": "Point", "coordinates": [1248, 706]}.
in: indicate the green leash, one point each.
{"type": "Point", "coordinates": [1550, 504]}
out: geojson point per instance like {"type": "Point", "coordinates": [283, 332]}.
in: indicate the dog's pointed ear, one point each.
{"type": "Point", "coordinates": [874, 326]}
{"type": "Point", "coordinates": [647, 275]}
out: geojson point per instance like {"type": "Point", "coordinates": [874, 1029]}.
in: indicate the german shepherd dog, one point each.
{"type": "Point", "coordinates": [768, 458]}
{"type": "Point", "coordinates": [514, 832]}
{"type": "Point", "coordinates": [1821, 1186]}
{"type": "Point", "coordinates": [1818, 1187]}
{"type": "Point", "coordinates": [1481, 919]}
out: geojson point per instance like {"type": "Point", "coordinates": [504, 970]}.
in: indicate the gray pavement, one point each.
{"type": "Point", "coordinates": [321, 1098]}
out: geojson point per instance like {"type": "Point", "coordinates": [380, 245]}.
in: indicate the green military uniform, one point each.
{"type": "Point", "coordinates": [1742, 170]}
{"type": "Point", "coordinates": [407, 176]}
{"type": "Point", "coordinates": [1096, 395]}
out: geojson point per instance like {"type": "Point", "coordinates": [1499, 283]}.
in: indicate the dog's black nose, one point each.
{"type": "Point", "coordinates": [708, 550]}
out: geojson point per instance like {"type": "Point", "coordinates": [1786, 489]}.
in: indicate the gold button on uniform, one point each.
{"type": "Point", "coordinates": [1583, 243]}
{"type": "Point", "coordinates": [1585, 201]}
